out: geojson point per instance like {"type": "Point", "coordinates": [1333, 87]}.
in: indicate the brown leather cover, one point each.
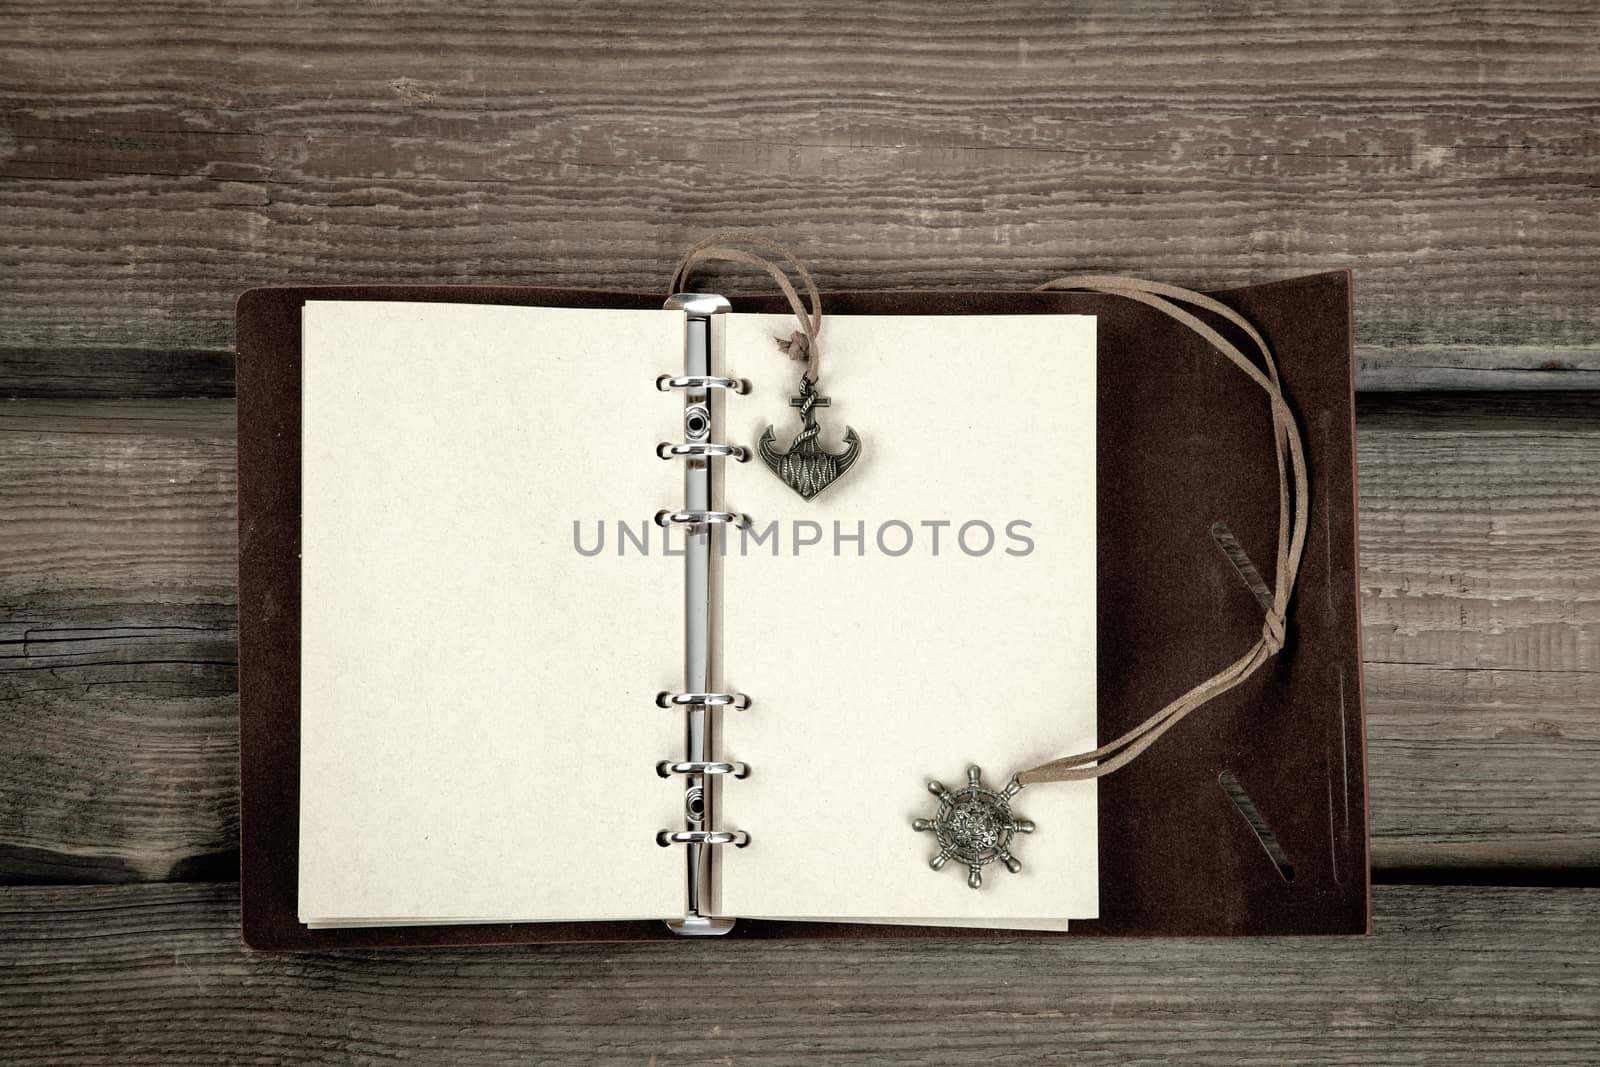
{"type": "Point", "coordinates": [1184, 440]}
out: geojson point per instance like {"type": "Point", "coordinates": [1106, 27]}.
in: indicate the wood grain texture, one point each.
{"type": "Point", "coordinates": [1480, 544]}
{"type": "Point", "coordinates": [156, 974]}
{"type": "Point", "coordinates": [157, 158]}
{"type": "Point", "coordinates": [118, 627]}
{"type": "Point", "coordinates": [1481, 600]}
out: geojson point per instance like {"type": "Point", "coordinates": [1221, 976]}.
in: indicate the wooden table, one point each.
{"type": "Point", "coordinates": [156, 159]}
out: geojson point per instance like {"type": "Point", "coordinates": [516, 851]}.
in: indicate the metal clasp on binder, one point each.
{"type": "Point", "coordinates": [703, 521]}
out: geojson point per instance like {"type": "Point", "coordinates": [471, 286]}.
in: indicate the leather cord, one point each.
{"type": "Point", "coordinates": [1294, 504]}
{"type": "Point", "coordinates": [801, 345]}
{"type": "Point", "coordinates": [1294, 493]}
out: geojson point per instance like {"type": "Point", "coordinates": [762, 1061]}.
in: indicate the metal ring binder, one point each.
{"type": "Point", "coordinates": [702, 698]}
{"type": "Point", "coordinates": [667, 450]}
{"type": "Point", "coordinates": [699, 517]}
{"type": "Point", "coordinates": [666, 768]}
{"type": "Point", "coordinates": [737, 701]}
{"type": "Point", "coordinates": [736, 838]}
{"type": "Point", "coordinates": [702, 381]}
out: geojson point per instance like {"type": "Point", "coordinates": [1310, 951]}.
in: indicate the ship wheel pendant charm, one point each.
{"type": "Point", "coordinates": [975, 826]}
{"type": "Point", "coordinates": [807, 467]}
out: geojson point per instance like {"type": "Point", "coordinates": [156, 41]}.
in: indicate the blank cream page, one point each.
{"type": "Point", "coordinates": [933, 609]}
{"type": "Point", "coordinates": [478, 733]}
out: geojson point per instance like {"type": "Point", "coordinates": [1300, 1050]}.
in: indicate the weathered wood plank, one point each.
{"type": "Point", "coordinates": [1481, 600]}
{"type": "Point", "coordinates": [1446, 152]}
{"type": "Point", "coordinates": [1453, 975]}
{"type": "Point", "coordinates": [1480, 548]}
{"type": "Point", "coordinates": [118, 627]}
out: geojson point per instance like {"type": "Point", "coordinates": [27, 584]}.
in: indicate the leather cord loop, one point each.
{"type": "Point", "coordinates": [801, 345]}
{"type": "Point", "coordinates": [1294, 502]}
{"type": "Point", "coordinates": [1294, 493]}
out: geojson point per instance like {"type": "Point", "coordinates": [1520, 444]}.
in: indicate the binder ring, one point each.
{"type": "Point", "coordinates": [736, 838]}
{"type": "Point", "coordinates": [667, 768]}
{"type": "Point", "coordinates": [667, 451]}
{"type": "Point", "coordinates": [701, 381]}
{"type": "Point", "coordinates": [738, 701]}
{"type": "Point", "coordinates": [695, 517]}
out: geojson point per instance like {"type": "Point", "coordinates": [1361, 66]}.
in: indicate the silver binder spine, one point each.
{"type": "Point", "coordinates": [704, 526]}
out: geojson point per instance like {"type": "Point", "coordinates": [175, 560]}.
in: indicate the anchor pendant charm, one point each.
{"type": "Point", "coordinates": [807, 467]}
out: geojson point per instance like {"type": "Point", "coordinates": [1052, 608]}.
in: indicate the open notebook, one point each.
{"type": "Point", "coordinates": [489, 612]}
{"type": "Point", "coordinates": [454, 700]}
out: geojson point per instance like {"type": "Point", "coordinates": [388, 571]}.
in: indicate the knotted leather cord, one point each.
{"type": "Point", "coordinates": [1294, 493]}
{"type": "Point", "coordinates": [800, 345]}
{"type": "Point", "coordinates": [1292, 515]}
